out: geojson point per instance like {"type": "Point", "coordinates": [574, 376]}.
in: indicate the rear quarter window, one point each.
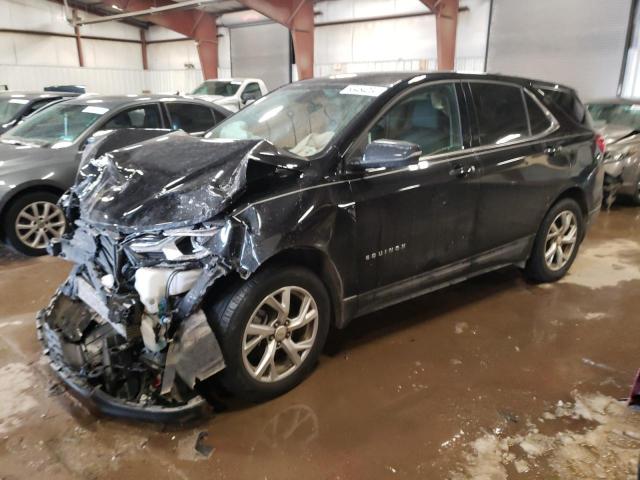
{"type": "Point", "coordinates": [568, 102]}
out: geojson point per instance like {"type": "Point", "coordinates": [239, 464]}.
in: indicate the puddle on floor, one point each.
{"type": "Point", "coordinates": [605, 264]}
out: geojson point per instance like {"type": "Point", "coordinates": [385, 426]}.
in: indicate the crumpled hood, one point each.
{"type": "Point", "coordinates": [171, 181]}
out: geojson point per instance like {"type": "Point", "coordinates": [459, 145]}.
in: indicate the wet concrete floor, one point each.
{"type": "Point", "coordinates": [493, 378]}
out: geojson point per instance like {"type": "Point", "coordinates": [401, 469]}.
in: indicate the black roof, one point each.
{"type": "Point", "coordinates": [387, 79]}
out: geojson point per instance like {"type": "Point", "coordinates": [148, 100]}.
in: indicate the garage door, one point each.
{"type": "Point", "coordinates": [261, 51]}
{"type": "Point", "coordinates": [576, 42]}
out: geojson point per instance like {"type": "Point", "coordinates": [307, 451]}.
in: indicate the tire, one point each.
{"type": "Point", "coordinates": [540, 269]}
{"type": "Point", "coordinates": [43, 203]}
{"type": "Point", "coordinates": [230, 316]}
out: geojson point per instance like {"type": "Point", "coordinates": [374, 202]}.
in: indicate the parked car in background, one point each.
{"type": "Point", "coordinates": [619, 122]}
{"type": "Point", "coordinates": [14, 106]}
{"type": "Point", "coordinates": [233, 254]}
{"type": "Point", "coordinates": [39, 158]}
{"type": "Point", "coordinates": [233, 94]}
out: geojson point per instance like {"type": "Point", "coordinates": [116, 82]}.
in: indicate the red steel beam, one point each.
{"type": "Point", "coordinates": [446, 12]}
{"type": "Point", "coordinates": [297, 16]}
{"type": "Point", "coordinates": [76, 32]}
{"type": "Point", "coordinates": [143, 49]}
{"type": "Point", "coordinates": [196, 24]}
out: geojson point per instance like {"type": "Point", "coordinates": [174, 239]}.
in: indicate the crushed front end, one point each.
{"type": "Point", "coordinates": [148, 237]}
{"type": "Point", "coordinates": [125, 331]}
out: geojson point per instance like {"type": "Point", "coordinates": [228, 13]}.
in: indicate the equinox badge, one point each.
{"type": "Point", "coordinates": [386, 251]}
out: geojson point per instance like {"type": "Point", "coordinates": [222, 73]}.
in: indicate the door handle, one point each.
{"type": "Point", "coordinates": [459, 171]}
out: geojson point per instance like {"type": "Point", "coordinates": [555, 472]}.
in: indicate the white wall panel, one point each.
{"type": "Point", "coordinates": [105, 54]}
{"type": "Point", "coordinates": [100, 80]}
{"type": "Point", "coordinates": [33, 15]}
{"type": "Point", "coordinates": [108, 29]}
{"type": "Point", "coordinates": [172, 81]}
{"type": "Point", "coordinates": [172, 55]}
{"type": "Point", "coordinates": [25, 49]}
{"type": "Point", "coordinates": [576, 42]}
{"type": "Point", "coordinates": [160, 33]}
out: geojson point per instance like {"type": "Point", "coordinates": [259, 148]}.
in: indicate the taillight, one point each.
{"type": "Point", "coordinates": [600, 143]}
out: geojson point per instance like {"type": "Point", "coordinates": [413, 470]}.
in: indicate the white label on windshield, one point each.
{"type": "Point", "coordinates": [21, 101]}
{"type": "Point", "coordinates": [95, 110]}
{"type": "Point", "coordinates": [366, 90]}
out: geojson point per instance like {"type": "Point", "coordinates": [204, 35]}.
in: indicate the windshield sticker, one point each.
{"type": "Point", "coordinates": [365, 90]}
{"type": "Point", "coordinates": [95, 110]}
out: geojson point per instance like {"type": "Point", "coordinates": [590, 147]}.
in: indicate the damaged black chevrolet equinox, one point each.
{"type": "Point", "coordinates": [230, 256]}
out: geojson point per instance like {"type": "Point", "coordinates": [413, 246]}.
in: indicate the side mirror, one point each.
{"type": "Point", "coordinates": [389, 154]}
{"type": "Point", "coordinates": [248, 98]}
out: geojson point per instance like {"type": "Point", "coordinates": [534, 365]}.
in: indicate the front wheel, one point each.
{"type": "Point", "coordinates": [557, 242]}
{"type": "Point", "coordinates": [271, 329]}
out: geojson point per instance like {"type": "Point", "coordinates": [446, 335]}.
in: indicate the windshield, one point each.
{"type": "Point", "coordinates": [226, 89]}
{"type": "Point", "coordinates": [57, 126]}
{"type": "Point", "coordinates": [299, 118]}
{"type": "Point", "coordinates": [9, 107]}
{"type": "Point", "coordinates": [616, 114]}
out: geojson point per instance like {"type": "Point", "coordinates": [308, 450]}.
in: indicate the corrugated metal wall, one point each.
{"type": "Point", "coordinates": [100, 80]}
{"type": "Point", "coordinates": [393, 44]}
{"type": "Point", "coordinates": [575, 42]}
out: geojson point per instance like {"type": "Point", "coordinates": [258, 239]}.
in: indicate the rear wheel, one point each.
{"type": "Point", "coordinates": [557, 242]}
{"type": "Point", "coordinates": [32, 221]}
{"type": "Point", "coordinates": [271, 329]}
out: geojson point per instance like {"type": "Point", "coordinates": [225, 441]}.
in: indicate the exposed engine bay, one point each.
{"type": "Point", "coordinates": [133, 332]}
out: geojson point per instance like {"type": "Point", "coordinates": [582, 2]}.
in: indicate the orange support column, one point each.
{"type": "Point", "coordinates": [196, 24]}
{"type": "Point", "coordinates": [446, 12]}
{"type": "Point", "coordinates": [297, 16]}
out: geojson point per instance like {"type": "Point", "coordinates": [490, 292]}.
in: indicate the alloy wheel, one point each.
{"type": "Point", "coordinates": [280, 334]}
{"type": "Point", "coordinates": [561, 240]}
{"type": "Point", "coordinates": [38, 223]}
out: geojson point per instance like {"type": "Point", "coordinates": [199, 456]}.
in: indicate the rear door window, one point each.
{"type": "Point", "coordinates": [144, 116]}
{"type": "Point", "coordinates": [500, 112]}
{"type": "Point", "coordinates": [190, 118]}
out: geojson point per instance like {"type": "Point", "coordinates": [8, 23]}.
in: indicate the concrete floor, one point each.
{"type": "Point", "coordinates": [492, 378]}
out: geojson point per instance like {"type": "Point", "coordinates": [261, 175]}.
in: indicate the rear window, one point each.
{"type": "Point", "coordinates": [190, 118]}
{"type": "Point", "coordinates": [501, 113]}
{"type": "Point", "coordinates": [566, 101]}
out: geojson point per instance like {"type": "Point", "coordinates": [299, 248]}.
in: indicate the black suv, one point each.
{"type": "Point", "coordinates": [229, 257]}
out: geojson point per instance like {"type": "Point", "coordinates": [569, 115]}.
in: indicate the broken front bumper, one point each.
{"type": "Point", "coordinates": [110, 370]}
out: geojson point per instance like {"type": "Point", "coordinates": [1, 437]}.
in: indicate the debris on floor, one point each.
{"type": "Point", "coordinates": [602, 441]}
{"type": "Point", "coordinates": [195, 447]}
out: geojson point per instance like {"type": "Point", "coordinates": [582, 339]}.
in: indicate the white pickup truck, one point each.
{"type": "Point", "coordinates": [231, 93]}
